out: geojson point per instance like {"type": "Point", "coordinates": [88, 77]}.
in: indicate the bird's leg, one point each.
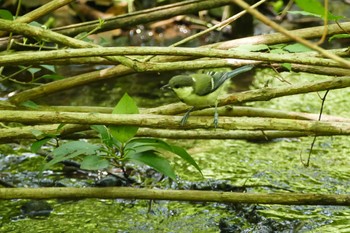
{"type": "Point", "coordinates": [185, 117]}
{"type": "Point", "coordinates": [216, 116]}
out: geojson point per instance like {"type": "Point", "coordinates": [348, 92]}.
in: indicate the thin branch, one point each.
{"type": "Point", "coordinates": [314, 140]}
{"type": "Point", "coordinates": [310, 58]}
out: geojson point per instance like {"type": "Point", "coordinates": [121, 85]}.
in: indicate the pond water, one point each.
{"type": "Point", "coordinates": [273, 166]}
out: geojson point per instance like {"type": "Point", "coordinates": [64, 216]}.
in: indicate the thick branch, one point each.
{"type": "Point", "coordinates": [265, 94]}
{"type": "Point", "coordinates": [174, 195]}
{"type": "Point", "coordinates": [172, 122]}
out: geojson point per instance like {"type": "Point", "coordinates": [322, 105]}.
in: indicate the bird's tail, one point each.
{"type": "Point", "coordinates": [221, 77]}
{"type": "Point", "coordinates": [235, 72]}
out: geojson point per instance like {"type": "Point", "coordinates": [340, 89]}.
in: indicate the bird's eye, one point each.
{"type": "Point", "coordinates": [176, 86]}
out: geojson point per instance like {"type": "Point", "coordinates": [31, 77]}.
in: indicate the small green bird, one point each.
{"type": "Point", "coordinates": [202, 90]}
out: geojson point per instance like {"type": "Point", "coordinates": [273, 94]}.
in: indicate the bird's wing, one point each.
{"type": "Point", "coordinates": [220, 77]}
{"type": "Point", "coordinates": [204, 84]}
{"type": "Point", "coordinates": [213, 80]}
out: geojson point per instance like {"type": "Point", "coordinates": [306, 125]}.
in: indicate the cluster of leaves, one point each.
{"type": "Point", "coordinates": [119, 146]}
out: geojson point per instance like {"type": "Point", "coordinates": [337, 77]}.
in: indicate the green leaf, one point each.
{"type": "Point", "coordinates": [38, 133]}
{"type": "Point", "coordinates": [126, 105]}
{"type": "Point", "coordinates": [38, 144]}
{"type": "Point", "coordinates": [339, 36]}
{"type": "Point", "coordinates": [60, 126]}
{"type": "Point", "coordinates": [186, 156]}
{"type": "Point", "coordinates": [278, 51]}
{"type": "Point", "coordinates": [288, 66]}
{"type": "Point", "coordinates": [277, 5]}
{"type": "Point", "coordinates": [5, 14]}
{"type": "Point", "coordinates": [277, 46]}
{"type": "Point", "coordinates": [49, 67]}
{"type": "Point", "coordinates": [316, 9]}
{"type": "Point", "coordinates": [35, 24]}
{"type": "Point", "coordinates": [305, 13]}
{"type": "Point", "coordinates": [104, 135]}
{"type": "Point", "coordinates": [71, 150]}
{"type": "Point", "coordinates": [297, 48]}
{"type": "Point", "coordinates": [94, 162]}
{"type": "Point", "coordinates": [151, 159]}
{"type": "Point", "coordinates": [140, 145]}
{"type": "Point", "coordinates": [251, 48]}
{"type": "Point", "coordinates": [51, 76]}
{"type": "Point", "coordinates": [153, 143]}
{"type": "Point", "coordinates": [33, 70]}
{"type": "Point", "coordinates": [29, 104]}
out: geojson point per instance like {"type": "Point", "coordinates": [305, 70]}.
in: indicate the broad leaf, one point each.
{"type": "Point", "coordinates": [51, 76]}
{"type": "Point", "coordinates": [38, 144]}
{"type": "Point", "coordinates": [153, 160]}
{"type": "Point", "coordinates": [315, 8]}
{"type": "Point", "coordinates": [297, 48]}
{"type": "Point", "coordinates": [104, 135]}
{"type": "Point", "coordinates": [30, 104]}
{"type": "Point", "coordinates": [126, 105]}
{"type": "Point", "coordinates": [186, 156]}
{"type": "Point", "coordinates": [49, 67]}
{"type": "Point", "coordinates": [34, 70]}
{"type": "Point", "coordinates": [288, 66]}
{"type": "Point", "coordinates": [139, 145]}
{"type": "Point", "coordinates": [38, 133]}
{"type": "Point", "coordinates": [71, 150]}
{"type": "Point", "coordinates": [5, 14]}
{"type": "Point", "coordinates": [154, 143]}
{"type": "Point", "coordinates": [94, 162]}
{"type": "Point", "coordinates": [251, 48]}
{"type": "Point", "coordinates": [339, 36]}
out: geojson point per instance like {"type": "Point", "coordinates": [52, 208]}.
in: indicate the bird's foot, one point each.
{"type": "Point", "coordinates": [216, 119]}
{"type": "Point", "coordinates": [186, 116]}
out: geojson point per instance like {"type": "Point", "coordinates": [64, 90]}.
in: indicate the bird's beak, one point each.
{"type": "Point", "coordinates": [166, 87]}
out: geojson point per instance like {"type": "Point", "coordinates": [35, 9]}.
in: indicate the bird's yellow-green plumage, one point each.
{"type": "Point", "coordinates": [202, 90]}
{"type": "Point", "coordinates": [195, 90]}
